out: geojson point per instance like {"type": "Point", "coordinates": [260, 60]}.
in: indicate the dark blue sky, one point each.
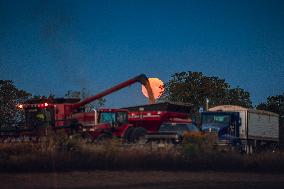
{"type": "Point", "coordinates": [55, 46]}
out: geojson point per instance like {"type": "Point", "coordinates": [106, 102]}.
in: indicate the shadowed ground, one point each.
{"type": "Point", "coordinates": [143, 179]}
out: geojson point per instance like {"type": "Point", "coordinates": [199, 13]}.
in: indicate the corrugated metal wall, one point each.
{"type": "Point", "coordinates": [281, 133]}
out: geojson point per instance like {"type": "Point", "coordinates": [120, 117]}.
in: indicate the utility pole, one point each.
{"type": "Point", "coordinates": [207, 103]}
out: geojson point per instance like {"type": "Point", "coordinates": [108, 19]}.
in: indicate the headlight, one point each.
{"type": "Point", "coordinates": [177, 138]}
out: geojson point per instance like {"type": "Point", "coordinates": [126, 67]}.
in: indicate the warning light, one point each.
{"type": "Point", "coordinates": [44, 105]}
{"type": "Point", "coordinates": [20, 106]}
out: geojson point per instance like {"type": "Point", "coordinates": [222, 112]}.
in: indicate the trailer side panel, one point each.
{"type": "Point", "coordinates": [263, 126]}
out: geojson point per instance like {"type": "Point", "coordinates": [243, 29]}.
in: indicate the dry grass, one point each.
{"type": "Point", "coordinates": [64, 154]}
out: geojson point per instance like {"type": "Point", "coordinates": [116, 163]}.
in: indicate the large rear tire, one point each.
{"type": "Point", "coordinates": [138, 135]}
{"type": "Point", "coordinates": [103, 139]}
{"type": "Point", "coordinates": [128, 135]}
{"type": "Point", "coordinates": [87, 138]}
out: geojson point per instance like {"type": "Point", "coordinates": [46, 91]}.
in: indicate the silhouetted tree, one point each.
{"type": "Point", "coordinates": [10, 97]}
{"type": "Point", "coordinates": [273, 104]}
{"type": "Point", "coordinates": [194, 88]}
{"type": "Point", "coordinates": [238, 96]}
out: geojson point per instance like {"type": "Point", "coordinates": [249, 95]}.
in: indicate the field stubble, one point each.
{"type": "Point", "coordinates": [59, 153]}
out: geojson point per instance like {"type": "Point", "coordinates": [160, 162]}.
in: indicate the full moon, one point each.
{"type": "Point", "coordinates": [157, 87]}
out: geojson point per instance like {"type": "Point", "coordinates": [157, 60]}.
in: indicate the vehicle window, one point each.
{"type": "Point", "coordinates": [38, 117]}
{"type": "Point", "coordinates": [215, 119]}
{"type": "Point", "coordinates": [178, 127]}
{"type": "Point", "coordinates": [107, 117]}
{"type": "Point", "coordinates": [122, 117]}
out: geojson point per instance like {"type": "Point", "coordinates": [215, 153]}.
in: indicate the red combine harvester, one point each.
{"type": "Point", "coordinates": [129, 124]}
{"type": "Point", "coordinates": [66, 114]}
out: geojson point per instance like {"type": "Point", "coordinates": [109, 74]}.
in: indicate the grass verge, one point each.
{"type": "Point", "coordinates": [64, 154]}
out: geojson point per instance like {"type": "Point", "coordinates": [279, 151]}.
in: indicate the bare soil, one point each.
{"type": "Point", "coordinates": [142, 179]}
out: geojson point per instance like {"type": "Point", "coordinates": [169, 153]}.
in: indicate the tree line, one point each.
{"type": "Point", "coordinates": [192, 88]}
{"type": "Point", "coordinates": [197, 89]}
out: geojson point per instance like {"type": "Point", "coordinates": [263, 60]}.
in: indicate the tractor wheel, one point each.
{"type": "Point", "coordinates": [87, 138]}
{"type": "Point", "coordinates": [138, 135]}
{"type": "Point", "coordinates": [103, 139]}
{"type": "Point", "coordinates": [128, 135]}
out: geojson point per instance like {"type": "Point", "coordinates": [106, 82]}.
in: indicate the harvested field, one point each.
{"type": "Point", "coordinates": [61, 155]}
{"type": "Point", "coordinates": [143, 179]}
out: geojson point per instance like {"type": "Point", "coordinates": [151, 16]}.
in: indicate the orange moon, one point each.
{"type": "Point", "coordinates": [157, 87]}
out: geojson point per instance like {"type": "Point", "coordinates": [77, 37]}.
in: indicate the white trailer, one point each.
{"type": "Point", "coordinates": [258, 128]}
